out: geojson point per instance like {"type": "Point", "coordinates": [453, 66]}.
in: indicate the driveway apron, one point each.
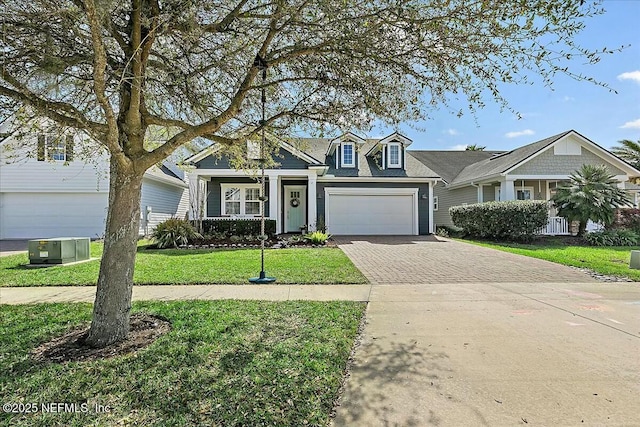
{"type": "Point", "coordinates": [460, 335]}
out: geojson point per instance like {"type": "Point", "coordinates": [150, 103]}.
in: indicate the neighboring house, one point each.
{"type": "Point", "coordinates": [531, 172]}
{"type": "Point", "coordinates": [53, 190]}
{"type": "Point", "coordinates": [378, 186]}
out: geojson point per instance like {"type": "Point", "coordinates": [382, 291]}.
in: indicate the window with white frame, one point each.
{"type": "Point", "coordinates": [240, 199]}
{"type": "Point", "coordinates": [435, 203]}
{"type": "Point", "coordinates": [394, 156]}
{"type": "Point", "coordinates": [348, 155]}
{"type": "Point", "coordinates": [55, 147]}
{"type": "Point", "coordinates": [524, 193]}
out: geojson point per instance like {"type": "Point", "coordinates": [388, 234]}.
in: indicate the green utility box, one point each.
{"type": "Point", "coordinates": [58, 250]}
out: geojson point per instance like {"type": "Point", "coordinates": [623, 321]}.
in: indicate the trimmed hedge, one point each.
{"type": "Point", "coordinates": [510, 220]}
{"type": "Point", "coordinates": [238, 227]}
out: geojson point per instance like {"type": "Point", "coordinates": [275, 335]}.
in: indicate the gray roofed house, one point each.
{"type": "Point", "coordinates": [379, 186]}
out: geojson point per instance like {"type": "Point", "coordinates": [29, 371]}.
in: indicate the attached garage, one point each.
{"type": "Point", "coordinates": [43, 215]}
{"type": "Point", "coordinates": [371, 211]}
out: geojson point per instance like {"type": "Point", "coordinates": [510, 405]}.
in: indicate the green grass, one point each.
{"type": "Point", "coordinates": [224, 363]}
{"type": "Point", "coordinates": [612, 261]}
{"type": "Point", "coordinates": [169, 267]}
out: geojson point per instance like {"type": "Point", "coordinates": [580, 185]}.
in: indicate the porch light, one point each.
{"type": "Point", "coordinates": [262, 278]}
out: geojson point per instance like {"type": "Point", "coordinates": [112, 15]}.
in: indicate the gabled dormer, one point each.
{"type": "Point", "coordinates": [344, 151]}
{"type": "Point", "coordinates": [390, 152]}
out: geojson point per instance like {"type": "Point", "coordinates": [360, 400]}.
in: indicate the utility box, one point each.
{"type": "Point", "coordinates": [58, 250]}
{"type": "Point", "coordinates": [635, 260]}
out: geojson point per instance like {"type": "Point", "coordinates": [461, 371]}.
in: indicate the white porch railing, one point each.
{"type": "Point", "coordinates": [556, 226]}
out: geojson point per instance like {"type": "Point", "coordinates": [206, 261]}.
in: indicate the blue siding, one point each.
{"type": "Point", "coordinates": [423, 204]}
{"type": "Point", "coordinates": [283, 157]}
{"type": "Point", "coordinates": [214, 198]}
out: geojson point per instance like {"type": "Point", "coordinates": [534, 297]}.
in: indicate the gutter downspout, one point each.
{"type": "Point", "coordinates": [478, 193]}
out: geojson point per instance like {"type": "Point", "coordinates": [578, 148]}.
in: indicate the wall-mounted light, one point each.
{"type": "Point", "coordinates": [424, 196]}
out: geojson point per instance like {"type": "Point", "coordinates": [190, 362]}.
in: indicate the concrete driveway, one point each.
{"type": "Point", "coordinates": [549, 347]}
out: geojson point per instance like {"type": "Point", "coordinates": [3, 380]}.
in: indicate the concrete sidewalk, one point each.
{"type": "Point", "coordinates": [26, 295]}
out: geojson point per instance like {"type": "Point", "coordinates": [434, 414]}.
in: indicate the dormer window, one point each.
{"type": "Point", "coordinates": [348, 155]}
{"type": "Point", "coordinates": [394, 156]}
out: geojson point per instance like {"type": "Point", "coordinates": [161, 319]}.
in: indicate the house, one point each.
{"type": "Point", "coordinates": [350, 184]}
{"type": "Point", "coordinates": [530, 172]}
{"type": "Point", "coordinates": [51, 186]}
{"type": "Point", "coordinates": [379, 186]}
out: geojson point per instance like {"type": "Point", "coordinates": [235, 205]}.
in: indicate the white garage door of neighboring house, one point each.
{"type": "Point", "coordinates": [371, 211]}
{"type": "Point", "coordinates": [43, 215]}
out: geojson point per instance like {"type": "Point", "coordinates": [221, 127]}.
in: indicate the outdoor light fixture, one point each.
{"type": "Point", "coordinates": [262, 278]}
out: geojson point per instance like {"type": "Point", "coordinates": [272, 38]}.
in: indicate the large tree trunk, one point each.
{"type": "Point", "coordinates": [112, 305]}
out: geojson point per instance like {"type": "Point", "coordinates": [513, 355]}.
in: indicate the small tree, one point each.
{"type": "Point", "coordinates": [475, 147]}
{"type": "Point", "coordinates": [591, 194]}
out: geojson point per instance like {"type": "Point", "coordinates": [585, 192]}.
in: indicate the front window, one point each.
{"type": "Point", "coordinates": [347, 155]}
{"type": "Point", "coordinates": [394, 156]}
{"type": "Point", "coordinates": [241, 199]}
{"type": "Point", "coordinates": [435, 203]}
{"type": "Point", "coordinates": [524, 194]}
{"type": "Point", "coordinates": [56, 149]}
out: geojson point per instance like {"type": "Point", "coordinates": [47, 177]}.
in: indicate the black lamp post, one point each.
{"type": "Point", "coordinates": [262, 278]}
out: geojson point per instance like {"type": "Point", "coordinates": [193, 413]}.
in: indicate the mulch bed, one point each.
{"type": "Point", "coordinates": [70, 347]}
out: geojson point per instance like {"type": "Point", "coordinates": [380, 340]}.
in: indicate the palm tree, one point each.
{"type": "Point", "coordinates": [474, 147]}
{"type": "Point", "coordinates": [629, 151]}
{"type": "Point", "coordinates": [592, 194]}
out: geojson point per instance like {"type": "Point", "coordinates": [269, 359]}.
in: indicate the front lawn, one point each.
{"type": "Point", "coordinates": [200, 266]}
{"type": "Point", "coordinates": [224, 363]}
{"type": "Point", "coordinates": [613, 261]}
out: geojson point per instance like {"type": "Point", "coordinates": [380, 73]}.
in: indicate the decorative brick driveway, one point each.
{"type": "Point", "coordinates": [430, 259]}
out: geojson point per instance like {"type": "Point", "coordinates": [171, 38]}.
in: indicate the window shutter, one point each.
{"type": "Point", "coordinates": [40, 151]}
{"type": "Point", "coordinates": [69, 149]}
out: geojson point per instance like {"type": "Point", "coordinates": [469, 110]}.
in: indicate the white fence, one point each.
{"type": "Point", "coordinates": [556, 226]}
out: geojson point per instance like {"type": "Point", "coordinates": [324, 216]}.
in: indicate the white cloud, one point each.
{"type": "Point", "coordinates": [635, 124]}
{"type": "Point", "coordinates": [630, 75]}
{"type": "Point", "coordinates": [459, 147]}
{"type": "Point", "coordinates": [519, 133]}
{"type": "Point", "coordinates": [451, 132]}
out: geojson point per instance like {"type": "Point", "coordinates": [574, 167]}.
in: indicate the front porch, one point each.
{"type": "Point", "coordinates": [527, 188]}
{"type": "Point", "coordinates": [291, 197]}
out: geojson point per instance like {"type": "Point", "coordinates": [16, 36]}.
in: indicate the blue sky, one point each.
{"type": "Point", "coordinates": [591, 110]}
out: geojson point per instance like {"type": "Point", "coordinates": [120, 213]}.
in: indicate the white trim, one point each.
{"type": "Point", "coordinates": [401, 139]}
{"type": "Point", "coordinates": [273, 198]}
{"type": "Point", "coordinates": [526, 187]}
{"type": "Point", "coordinates": [312, 205]}
{"type": "Point", "coordinates": [395, 165]}
{"type": "Point", "coordinates": [355, 179]}
{"type": "Point", "coordinates": [539, 177]}
{"type": "Point", "coordinates": [585, 142]}
{"type": "Point", "coordinates": [243, 188]}
{"type": "Point", "coordinates": [335, 142]}
{"type": "Point", "coordinates": [204, 153]}
{"type": "Point", "coordinates": [298, 153]}
{"type": "Point", "coordinates": [431, 210]}
{"type": "Point", "coordinates": [344, 164]}
{"type": "Point", "coordinates": [242, 173]}
{"type": "Point", "coordinates": [481, 193]}
{"type": "Point", "coordinates": [356, 191]}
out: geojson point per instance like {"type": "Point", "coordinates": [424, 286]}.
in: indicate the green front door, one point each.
{"type": "Point", "coordinates": [295, 208]}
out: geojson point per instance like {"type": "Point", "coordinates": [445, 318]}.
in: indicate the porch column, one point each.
{"type": "Point", "coordinates": [312, 205]}
{"type": "Point", "coordinates": [273, 200]}
{"type": "Point", "coordinates": [480, 193]}
{"type": "Point", "coordinates": [432, 186]}
{"type": "Point", "coordinates": [507, 190]}
{"type": "Point", "coordinates": [195, 194]}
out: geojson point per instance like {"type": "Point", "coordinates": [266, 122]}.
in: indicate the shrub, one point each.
{"type": "Point", "coordinates": [447, 231]}
{"type": "Point", "coordinates": [238, 227]}
{"type": "Point", "coordinates": [617, 237]}
{"type": "Point", "coordinates": [173, 233]}
{"type": "Point", "coordinates": [628, 218]}
{"type": "Point", "coordinates": [317, 237]}
{"type": "Point", "coordinates": [510, 220]}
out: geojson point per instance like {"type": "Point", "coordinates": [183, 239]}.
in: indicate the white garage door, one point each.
{"type": "Point", "coordinates": [43, 215]}
{"type": "Point", "coordinates": [372, 211]}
